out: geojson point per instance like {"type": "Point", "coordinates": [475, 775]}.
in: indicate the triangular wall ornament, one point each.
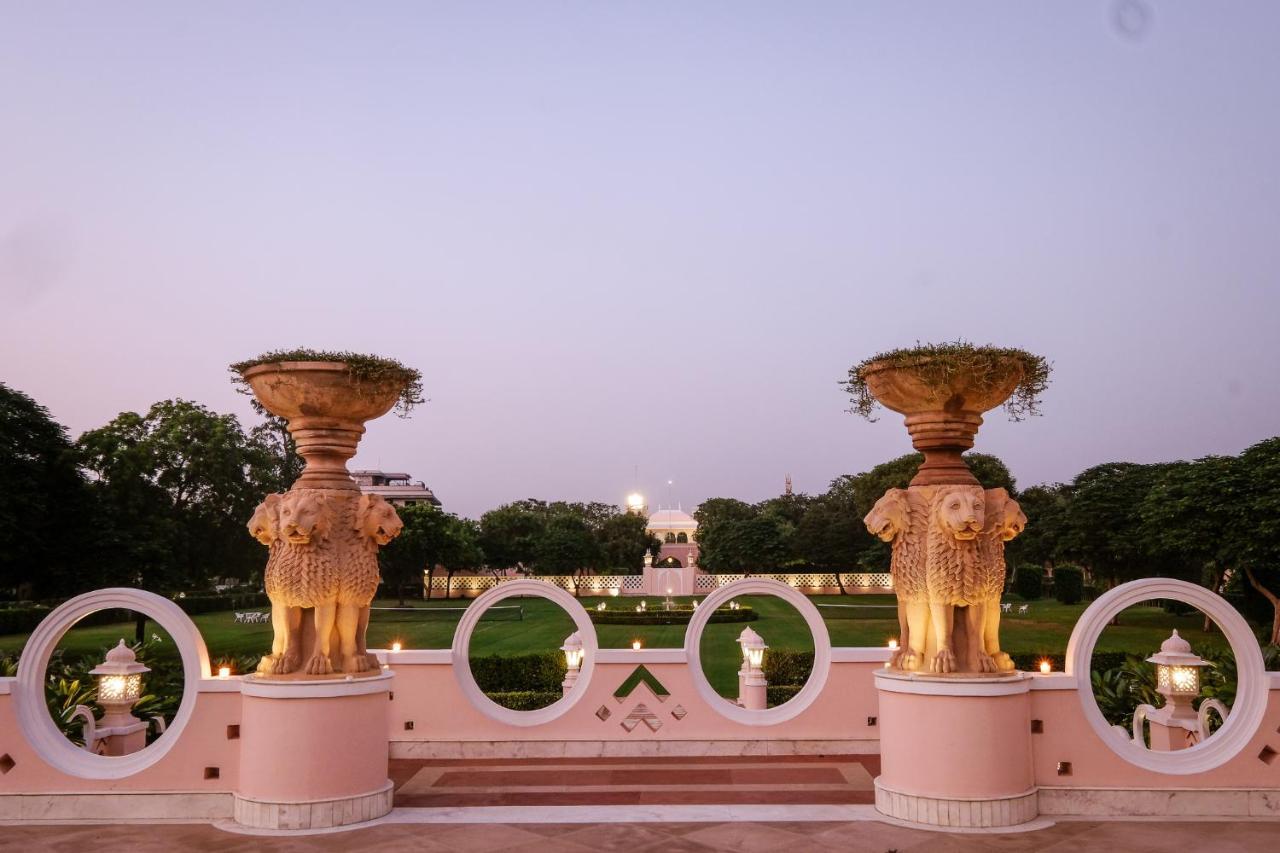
{"type": "Point", "coordinates": [639, 676]}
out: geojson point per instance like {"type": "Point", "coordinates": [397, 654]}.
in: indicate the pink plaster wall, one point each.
{"type": "Point", "coordinates": [428, 695]}
{"type": "Point", "coordinates": [1068, 737]}
{"type": "Point", "coordinates": [203, 743]}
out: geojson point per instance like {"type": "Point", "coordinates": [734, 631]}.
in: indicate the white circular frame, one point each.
{"type": "Point", "coordinates": [462, 647]}
{"type": "Point", "coordinates": [1251, 687]}
{"type": "Point", "coordinates": [29, 702]}
{"type": "Point", "coordinates": [821, 652]}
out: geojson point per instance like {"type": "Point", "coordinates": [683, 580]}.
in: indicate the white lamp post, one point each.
{"type": "Point", "coordinates": [573, 653]}
{"type": "Point", "coordinates": [119, 688]}
{"type": "Point", "coordinates": [1178, 681]}
{"type": "Point", "coordinates": [752, 692]}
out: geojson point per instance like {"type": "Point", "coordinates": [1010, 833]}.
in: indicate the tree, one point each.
{"type": "Point", "coordinates": [45, 504]}
{"type": "Point", "coordinates": [715, 517]}
{"type": "Point", "coordinates": [423, 544]}
{"type": "Point", "coordinates": [624, 540]}
{"type": "Point", "coordinates": [175, 488]}
{"type": "Point", "coordinates": [831, 536]}
{"type": "Point", "coordinates": [1257, 537]}
{"type": "Point", "coordinates": [1103, 529]}
{"type": "Point", "coordinates": [509, 534]}
{"type": "Point", "coordinates": [1040, 543]}
{"type": "Point", "coordinates": [870, 486]}
{"type": "Point", "coordinates": [566, 546]}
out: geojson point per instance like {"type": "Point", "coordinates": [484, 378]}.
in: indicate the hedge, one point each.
{"type": "Point", "coordinates": [1102, 661]}
{"type": "Point", "coordinates": [667, 617]}
{"type": "Point", "coordinates": [24, 619]}
{"type": "Point", "coordinates": [1068, 584]}
{"type": "Point", "coordinates": [787, 667]}
{"type": "Point", "coordinates": [524, 700]}
{"type": "Point", "coordinates": [776, 694]}
{"type": "Point", "coordinates": [542, 672]}
{"type": "Point", "coordinates": [1028, 582]}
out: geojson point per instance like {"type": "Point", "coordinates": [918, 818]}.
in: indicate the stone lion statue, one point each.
{"type": "Point", "coordinates": [323, 557]}
{"type": "Point", "coordinates": [956, 517]}
{"type": "Point", "coordinates": [899, 518]}
{"type": "Point", "coordinates": [1004, 521]}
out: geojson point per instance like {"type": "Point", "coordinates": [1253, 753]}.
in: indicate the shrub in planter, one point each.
{"type": "Point", "coordinates": [1068, 584]}
{"type": "Point", "coordinates": [1028, 582]}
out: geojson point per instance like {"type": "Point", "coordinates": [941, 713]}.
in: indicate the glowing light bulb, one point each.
{"type": "Point", "coordinates": [1045, 667]}
{"type": "Point", "coordinates": [893, 645]}
{"type": "Point", "coordinates": [635, 645]}
{"type": "Point", "coordinates": [395, 647]}
{"type": "Point", "coordinates": [224, 672]}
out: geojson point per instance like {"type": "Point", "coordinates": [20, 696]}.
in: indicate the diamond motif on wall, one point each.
{"type": "Point", "coordinates": [641, 714]}
{"type": "Point", "coordinates": [603, 713]}
{"type": "Point", "coordinates": [678, 712]}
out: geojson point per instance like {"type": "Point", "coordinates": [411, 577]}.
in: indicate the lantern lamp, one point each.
{"type": "Point", "coordinates": [1177, 671]}
{"type": "Point", "coordinates": [119, 687]}
{"type": "Point", "coordinates": [573, 653]}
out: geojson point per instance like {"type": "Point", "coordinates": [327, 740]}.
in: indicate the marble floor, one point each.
{"type": "Point", "coordinates": [745, 837]}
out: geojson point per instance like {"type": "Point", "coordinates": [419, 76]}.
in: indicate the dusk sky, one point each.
{"type": "Point", "coordinates": [650, 236]}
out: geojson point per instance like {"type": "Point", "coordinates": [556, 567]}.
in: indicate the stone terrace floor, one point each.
{"type": "Point", "coordinates": [802, 837]}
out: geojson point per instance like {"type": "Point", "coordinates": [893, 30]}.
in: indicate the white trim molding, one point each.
{"type": "Point", "coordinates": [413, 656]}
{"type": "Point", "coordinates": [893, 681]}
{"type": "Point", "coordinates": [320, 688]}
{"type": "Point", "coordinates": [638, 656]}
{"type": "Point", "coordinates": [821, 652]}
{"type": "Point", "coordinates": [860, 654]}
{"type": "Point", "coordinates": [462, 646]}
{"type": "Point", "coordinates": [1252, 679]}
{"type": "Point", "coordinates": [29, 702]}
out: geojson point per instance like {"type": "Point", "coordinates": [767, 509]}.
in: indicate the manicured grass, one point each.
{"type": "Point", "coordinates": [1044, 630]}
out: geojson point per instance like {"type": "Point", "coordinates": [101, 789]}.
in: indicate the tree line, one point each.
{"type": "Point", "coordinates": [1213, 521]}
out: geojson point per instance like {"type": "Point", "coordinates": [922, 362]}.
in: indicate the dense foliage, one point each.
{"type": "Point", "coordinates": [938, 364]}
{"type": "Point", "coordinates": [1068, 584]}
{"type": "Point", "coordinates": [1028, 582]}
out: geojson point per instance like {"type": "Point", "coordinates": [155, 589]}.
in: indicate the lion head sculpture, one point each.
{"type": "Point", "coordinates": [265, 524]}
{"type": "Point", "coordinates": [890, 516]}
{"type": "Point", "coordinates": [377, 519]}
{"type": "Point", "coordinates": [960, 511]}
{"type": "Point", "coordinates": [1004, 517]}
{"type": "Point", "coordinates": [304, 515]}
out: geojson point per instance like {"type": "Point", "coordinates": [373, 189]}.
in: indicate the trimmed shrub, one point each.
{"type": "Point", "coordinates": [535, 673]}
{"type": "Point", "coordinates": [667, 617]}
{"type": "Point", "coordinates": [524, 700]}
{"type": "Point", "coordinates": [776, 694]}
{"type": "Point", "coordinates": [787, 667]}
{"type": "Point", "coordinates": [1028, 582]}
{"type": "Point", "coordinates": [1091, 592]}
{"type": "Point", "coordinates": [1068, 584]}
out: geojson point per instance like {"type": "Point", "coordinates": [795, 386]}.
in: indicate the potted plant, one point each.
{"type": "Point", "coordinates": [943, 390]}
{"type": "Point", "coordinates": [327, 397]}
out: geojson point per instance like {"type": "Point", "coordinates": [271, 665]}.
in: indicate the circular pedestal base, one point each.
{"type": "Point", "coordinates": [944, 811]}
{"type": "Point", "coordinates": [317, 814]}
{"type": "Point", "coordinates": [313, 754]}
{"type": "Point", "coordinates": [955, 751]}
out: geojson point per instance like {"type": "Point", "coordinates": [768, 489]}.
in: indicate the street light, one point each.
{"type": "Point", "coordinates": [751, 682]}
{"type": "Point", "coordinates": [1177, 723]}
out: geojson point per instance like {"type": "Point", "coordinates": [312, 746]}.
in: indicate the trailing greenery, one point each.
{"type": "Point", "coordinates": [361, 367]}
{"type": "Point", "coordinates": [938, 364]}
{"type": "Point", "coordinates": [1068, 584]}
{"type": "Point", "coordinates": [1028, 582]}
{"type": "Point", "coordinates": [668, 617]}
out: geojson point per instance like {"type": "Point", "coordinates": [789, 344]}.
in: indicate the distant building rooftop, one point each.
{"type": "Point", "coordinates": [398, 488]}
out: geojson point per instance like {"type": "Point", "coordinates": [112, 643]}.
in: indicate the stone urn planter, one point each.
{"type": "Point", "coordinates": [326, 407]}
{"type": "Point", "coordinates": [942, 417]}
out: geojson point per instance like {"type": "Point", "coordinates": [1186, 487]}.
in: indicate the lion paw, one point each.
{"type": "Point", "coordinates": [319, 665]}
{"type": "Point", "coordinates": [1004, 663]}
{"type": "Point", "coordinates": [268, 664]}
{"type": "Point", "coordinates": [986, 663]}
{"type": "Point", "coordinates": [288, 662]}
{"type": "Point", "coordinates": [910, 661]}
{"type": "Point", "coordinates": [944, 661]}
{"type": "Point", "coordinates": [355, 663]}
{"type": "Point", "coordinates": [373, 661]}
{"type": "Point", "coordinates": [895, 659]}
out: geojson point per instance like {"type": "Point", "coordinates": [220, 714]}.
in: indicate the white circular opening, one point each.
{"type": "Point", "coordinates": [462, 646]}
{"type": "Point", "coordinates": [29, 702]}
{"type": "Point", "coordinates": [821, 651]}
{"type": "Point", "coordinates": [1251, 687]}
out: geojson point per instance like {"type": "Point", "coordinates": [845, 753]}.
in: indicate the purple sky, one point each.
{"type": "Point", "coordinates": [650, 234]}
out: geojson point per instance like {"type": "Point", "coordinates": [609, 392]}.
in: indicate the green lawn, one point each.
{"type": "Point", "coordinates": [1044, 630]}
